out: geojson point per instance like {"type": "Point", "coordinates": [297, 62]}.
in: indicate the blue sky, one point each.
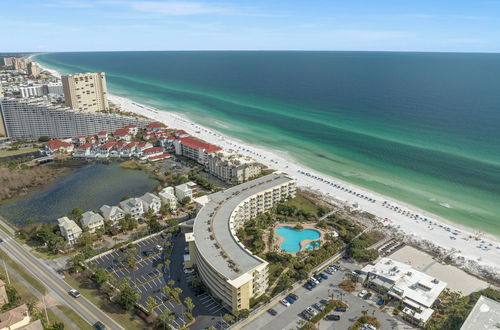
{"type": "Point", "coordinates": [398, 25]}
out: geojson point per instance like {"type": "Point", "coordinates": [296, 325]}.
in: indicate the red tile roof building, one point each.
{"type": "Point", "coordinates": [194, 149]}
{"type": "Point", "coordinates": [58, 146]}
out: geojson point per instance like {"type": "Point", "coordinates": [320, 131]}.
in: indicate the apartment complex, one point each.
{"type": "Point", "coordinates": [86, 91]}
{"type": "Point", "coordinates": [228, 269]}
{"type": "Point", "coordinates": [33, 69]}
{"type": "Point", "coordinates": [195, 149]}
{"type": "Point", "coordinates": [232, 167]}
{"type": "Point", "coordinates": [41, 89]}
{"type": "Point", "coordinates": [32, 118]}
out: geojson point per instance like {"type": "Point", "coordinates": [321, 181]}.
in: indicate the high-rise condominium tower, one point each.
{"type": "Point", "coordinates": [86, 91]}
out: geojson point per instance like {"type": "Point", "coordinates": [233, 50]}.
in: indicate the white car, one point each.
{"type": "Point", "coordinates": [74, 293]}
{"type": "Point", "coordinates": [314, 280]}
{"type": "Point", "coordinates": [362, 293]}
{"type": "Point", "coordinates": [188, 271]}
{"type": "Point", "coordinates": [284, 302]}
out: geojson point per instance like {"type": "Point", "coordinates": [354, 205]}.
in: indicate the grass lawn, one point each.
{"type": "Point", "coordinates": [21, 271]}
{"type": "Point", "coordinates": [16, 152]}
{"type": "Point", "coordinates": [124, 318]}
{"type": "Point", "coordinates": [81, 323]}
{"type": "Point", "coordinates": [302, 202]}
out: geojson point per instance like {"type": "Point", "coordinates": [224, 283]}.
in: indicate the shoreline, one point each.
{"type": "Point", "coordinates": [431, 230]}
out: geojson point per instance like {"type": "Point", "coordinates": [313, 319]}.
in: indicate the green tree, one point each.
{"type": "Point", "coordinates": [189, 304]}
{"type": "Point", "coordinates": [101, 276]}
{"type": "Point", "coordinates": [43, 139]}
{"type": "Point", "coordinates": [151, 303]}
{"type": "Point", "coordinates": [128, 297]}
{"type": "Point", "coordinates": [228, 318]}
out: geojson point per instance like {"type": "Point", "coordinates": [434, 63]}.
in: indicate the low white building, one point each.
{"type": "Point", "coordinates": [416, 290]}
{"type": "Point", "coordinates": [84, 150]}
{"type": "Point", "coordinates": [133, 206]}
{"type": "Point", "coordinates": [69, 230]}
{"type": "Point", "coordinates": [168, 198]}
{"type": "Point", "coordinates": [112, 213]}
{"type": "Point", "coordinates": [151, 202]}
{"type": "Point", "coordinates": [182, 191]}
{"type": "Point", "coordinates": [92, 221]}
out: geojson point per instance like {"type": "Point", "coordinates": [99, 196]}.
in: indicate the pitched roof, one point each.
{"type": "Point", "coordinates": [108, 145]}
{"type": "Point", "coordinates": [90, 217]}
{"type": "Point", "coordinates": [102, 133]}
{"type": "Point", "coordinates": [85, 146]}
{"type": "Point", "coordinates": [57, 144]}
{"type": "Point", "coordinates": [13, 316]}
{"type": "Point", "coordinates": [154, 125]}
{"type": "Point", "coordinates": [161, 156]}
{"type": "Point", "coordinates": [121, 132]}
{"type": "Point", "coordinates": [198, 144]}
{"type": "Point", "coordinates": [153, 149]}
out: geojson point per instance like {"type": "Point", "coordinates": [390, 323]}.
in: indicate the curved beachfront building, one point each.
{"type": "Point", "coordinates": [230, 271]}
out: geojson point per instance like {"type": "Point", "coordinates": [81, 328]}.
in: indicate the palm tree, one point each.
{"type": "Point", "coordinates": [189, 304]}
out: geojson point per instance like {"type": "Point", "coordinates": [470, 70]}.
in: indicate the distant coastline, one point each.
{"type": "Point", "coordinates": [416, 227]}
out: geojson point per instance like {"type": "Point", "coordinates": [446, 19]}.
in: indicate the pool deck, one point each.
{"type": "Point", "coordinates": [303, 244]}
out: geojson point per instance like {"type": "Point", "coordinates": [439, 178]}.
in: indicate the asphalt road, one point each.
{"type": "Point", "coordinates": [55, 283]}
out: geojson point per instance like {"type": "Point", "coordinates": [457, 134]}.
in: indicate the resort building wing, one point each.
{"type": "Point", "coordinates": [228, 269]}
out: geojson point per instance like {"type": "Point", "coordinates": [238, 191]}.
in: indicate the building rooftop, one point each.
{"type": "Point", "coordinates": [90, 217]}
{"type": "Point", "coordinates": [13, 316]}
{"type": "Point", "coordinates": [68, 224]}
{"type": "Point", "coordinates": [109, 211]}
{"type": "Point", "coordinates": [484, 316]}
{"type": "Point", "coordinates": [198, 144]}
{"type": "Point", "coordinates": [415, 287]}
{"type": "Point", "coordinates": [212, 245]}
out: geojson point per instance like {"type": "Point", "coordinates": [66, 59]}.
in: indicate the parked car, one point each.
{"type": "Point", "coordinates": [306, 315]}
{"type": "Point", "coordinates": [313, 280]}
{"type": "Point", "coordinates": [74, 293]}
{"type": "Point", "coordinates": [311, 283]}
{"type": "Point", "coordinates": [311, 311]}
{"type": "Point", "coordinates": [273, 312]}
{"type": "Point", "coordinates": [323, 276]}
{"type": "Point", "coordinates": [290, 299]}
{"type": "Point", "coordinates": [308, 286]}
{"type": "Point", "coordinates": [159, 248]}
{"type": "Point", "coordinates": [340, 309]}
{"type": "Point", "coordinates": [332, 317]}
{"type": "Point", "coordinates": [319, 307]}
{"type": "Point", "coordinates": [367, 296]}
{"type": "Point", "coordinates": [294, 296]}
{"type": "Point", "coordinates": [99, 325]}
{"type": "Point", "coordinates": [147, 253]}
{"type": "Point", "coordinates": [284, 302]}
{"type": "Point", "coordinates": [318, 278]}
{"type": "Point", "coordinates": [188, 271]}
{"type": "Point", "coordinates": [324, 302]}
{"type": "Point", "coordinates": [362, 293]}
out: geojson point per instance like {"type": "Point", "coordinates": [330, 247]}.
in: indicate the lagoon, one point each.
{"type": "Point", "coordinates": [87, 188]}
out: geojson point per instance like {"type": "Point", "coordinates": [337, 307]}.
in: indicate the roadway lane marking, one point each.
{"type": "Point", "coordinates": [54, 282]}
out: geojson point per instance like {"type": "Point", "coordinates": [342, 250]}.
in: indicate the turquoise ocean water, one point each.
{"type": "Point", "coordinates": [423, 128]}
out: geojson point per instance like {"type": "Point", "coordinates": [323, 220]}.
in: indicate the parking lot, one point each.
{"type": "Point", "coordinates": [208, 312]}
{"type": "Point", "coordinates": [290, 318]}
{"type": "Point", "coordinates": [148, 276]}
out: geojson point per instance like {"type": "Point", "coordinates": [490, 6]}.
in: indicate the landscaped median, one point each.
{"type": "Point", "coordinates": [333, 304]}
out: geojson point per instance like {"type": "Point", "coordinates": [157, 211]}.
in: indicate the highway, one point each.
{"type": "Point", "coordinates": [55, 283]}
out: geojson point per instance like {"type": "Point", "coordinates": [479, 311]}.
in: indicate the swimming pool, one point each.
{"type": "Point", "coordinates": [293, 237]}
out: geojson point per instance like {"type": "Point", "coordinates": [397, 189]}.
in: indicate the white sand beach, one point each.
{"type": "Point", "coordinates": [478, 252]}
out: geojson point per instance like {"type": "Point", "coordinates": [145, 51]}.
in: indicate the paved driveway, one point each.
{"type": "Point", "coordinates": [289, 317]}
